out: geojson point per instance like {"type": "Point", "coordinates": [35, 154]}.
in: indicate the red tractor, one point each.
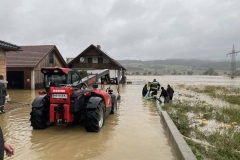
{"type": "Point", "coordinates": [68, 99]}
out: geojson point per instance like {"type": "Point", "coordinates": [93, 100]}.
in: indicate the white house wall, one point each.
{"type": "Point", "coordinates": [112, 73]}
{"type": "Point", "coordinates": [33, 79]}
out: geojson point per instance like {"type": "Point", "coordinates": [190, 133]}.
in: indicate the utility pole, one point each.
{"type": "Point", "coordinates": [233, 55]}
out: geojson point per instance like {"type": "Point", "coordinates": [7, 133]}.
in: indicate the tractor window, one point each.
{"type": "Point", "coordinates": [54, 80]}
{"type": "Point", "coordinates": [73, 78]}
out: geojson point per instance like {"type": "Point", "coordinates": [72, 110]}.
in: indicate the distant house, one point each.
{"type": "Point", "coordinates": [69, 59]}
{"type": "Point", "coordinates": [4, 48]}
{"type": "Point", "coordinates": [93, 58]}
{"type": "Point", "coordinates": [24, 68]}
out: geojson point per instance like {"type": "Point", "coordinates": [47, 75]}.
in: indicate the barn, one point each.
{"type": "Point", "coordinates": [24, 68]}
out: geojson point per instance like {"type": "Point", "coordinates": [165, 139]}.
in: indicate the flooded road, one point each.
{"type": "Point", "coordinates": [134, 132]}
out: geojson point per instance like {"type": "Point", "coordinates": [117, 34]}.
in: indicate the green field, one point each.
{"type": "Point", "coordinates": [168, 70]}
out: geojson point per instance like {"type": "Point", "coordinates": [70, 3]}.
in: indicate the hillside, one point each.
{"type": "Point", "coordinates": [176, 66]}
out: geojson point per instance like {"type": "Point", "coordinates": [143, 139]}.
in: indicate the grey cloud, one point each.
{"type": "Point", "coordinates": [135, 29]}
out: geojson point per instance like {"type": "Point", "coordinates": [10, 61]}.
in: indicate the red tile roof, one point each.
{"type": "Point", "coordinates": [29, 57]}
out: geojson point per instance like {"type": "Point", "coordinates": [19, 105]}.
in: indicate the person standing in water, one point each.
{"type": "Point", "coordinates": [170, 92]}
{"type": "Point", "coordinates": [3, 94]}
{"type": "Point", "coordinates": [144, 90]}
{"type": "Point", "coordinates": [165, 95]}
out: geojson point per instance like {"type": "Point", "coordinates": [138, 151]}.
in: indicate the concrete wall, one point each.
{"type": "Point", "coordinates": [179, 145]}
{"type": "Point", "coordinates": [3, 64]}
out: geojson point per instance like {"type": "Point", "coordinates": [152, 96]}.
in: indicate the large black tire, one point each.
{"type": "Point", "coordinates": [114, 107]}
{"type": "Point", "coordinates": [40, 117]}
{"type": "Point", "coordinates": [95, 118]}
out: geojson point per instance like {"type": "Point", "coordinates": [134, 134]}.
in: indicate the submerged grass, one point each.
{"type": "Point", "coordinates": [229, 95]}
{"type": "Point", "coordinates": [228, 115]}
{"type": "Point", "coordinates": [180, 117]}
{"type": "Point", "coordinates": [233, 99]}
{"type": "Point", "coordinates": [197, 149]}
{"type": "Point", "coordinates": [222, 140]}
{"type": "Point", "coordinates": [226, 144]}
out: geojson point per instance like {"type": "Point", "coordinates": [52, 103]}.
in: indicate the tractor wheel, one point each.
{"type": "Point", "coordinates": [95, 118]}
{"type": "Point", "coordinates": [114, 107]}
{"type": "Point", "coordinates": [39, 118]}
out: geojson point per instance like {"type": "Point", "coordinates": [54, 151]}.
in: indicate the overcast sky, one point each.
{"type": "Point", "coordinates": [126, 29]}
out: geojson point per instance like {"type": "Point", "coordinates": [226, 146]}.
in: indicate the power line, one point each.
{"type": "Point", "coordinates": [233, 55]}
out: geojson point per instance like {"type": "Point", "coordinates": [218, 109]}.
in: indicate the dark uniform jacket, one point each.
{"type": "Point", "coordinates": [3, 91]}
{"type": "Point", "coordinates": [164, 93]}
{"type": "Point", "coordinates": [170, 91]}
{"type": "Point", "coordinates": [1, 145]}
{"type": "Point", "coordinates": [144, 91]}
{"type": "Point", "coordinates": [3, 94]}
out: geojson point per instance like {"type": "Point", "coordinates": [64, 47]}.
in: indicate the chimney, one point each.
{"type": "Point", "coordinates": [99, 47]}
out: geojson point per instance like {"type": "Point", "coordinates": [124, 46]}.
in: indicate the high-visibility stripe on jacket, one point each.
{"type": "Point", "coordinates": [155, 85]}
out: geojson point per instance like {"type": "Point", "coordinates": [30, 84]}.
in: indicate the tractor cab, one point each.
{"type": "Point", "coordinates": [57, 77]}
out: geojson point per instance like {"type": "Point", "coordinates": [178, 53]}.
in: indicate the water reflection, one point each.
{"type": "Point", "coordinates": [22, 96]}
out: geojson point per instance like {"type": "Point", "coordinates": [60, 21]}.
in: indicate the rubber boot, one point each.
{"type": "Point", "coordinates": [3, 109]}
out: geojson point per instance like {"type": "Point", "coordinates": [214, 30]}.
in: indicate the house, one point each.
{"type": "Point", "coordinates": [24, 68]}
{"type": "Point", "coordinates": [4, 48]}
{"type": "Point", "coordinates": [93, 58]}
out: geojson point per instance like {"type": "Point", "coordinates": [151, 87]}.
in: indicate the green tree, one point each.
{"type": "Point", "coordinates": [174, 72]}
{"type": "Point", "coordinates": [189, 72]}
{"type": "Point", "coordinates": [210, 72]}
{"type": "Point", "coordinates": [83, 74]}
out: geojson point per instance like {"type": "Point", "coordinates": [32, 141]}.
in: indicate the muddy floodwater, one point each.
{"type": "Point", "coordinates": [134, 132]}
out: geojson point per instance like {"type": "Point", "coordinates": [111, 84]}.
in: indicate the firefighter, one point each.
{"type": "Point", "coordinates": [154, 87]}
